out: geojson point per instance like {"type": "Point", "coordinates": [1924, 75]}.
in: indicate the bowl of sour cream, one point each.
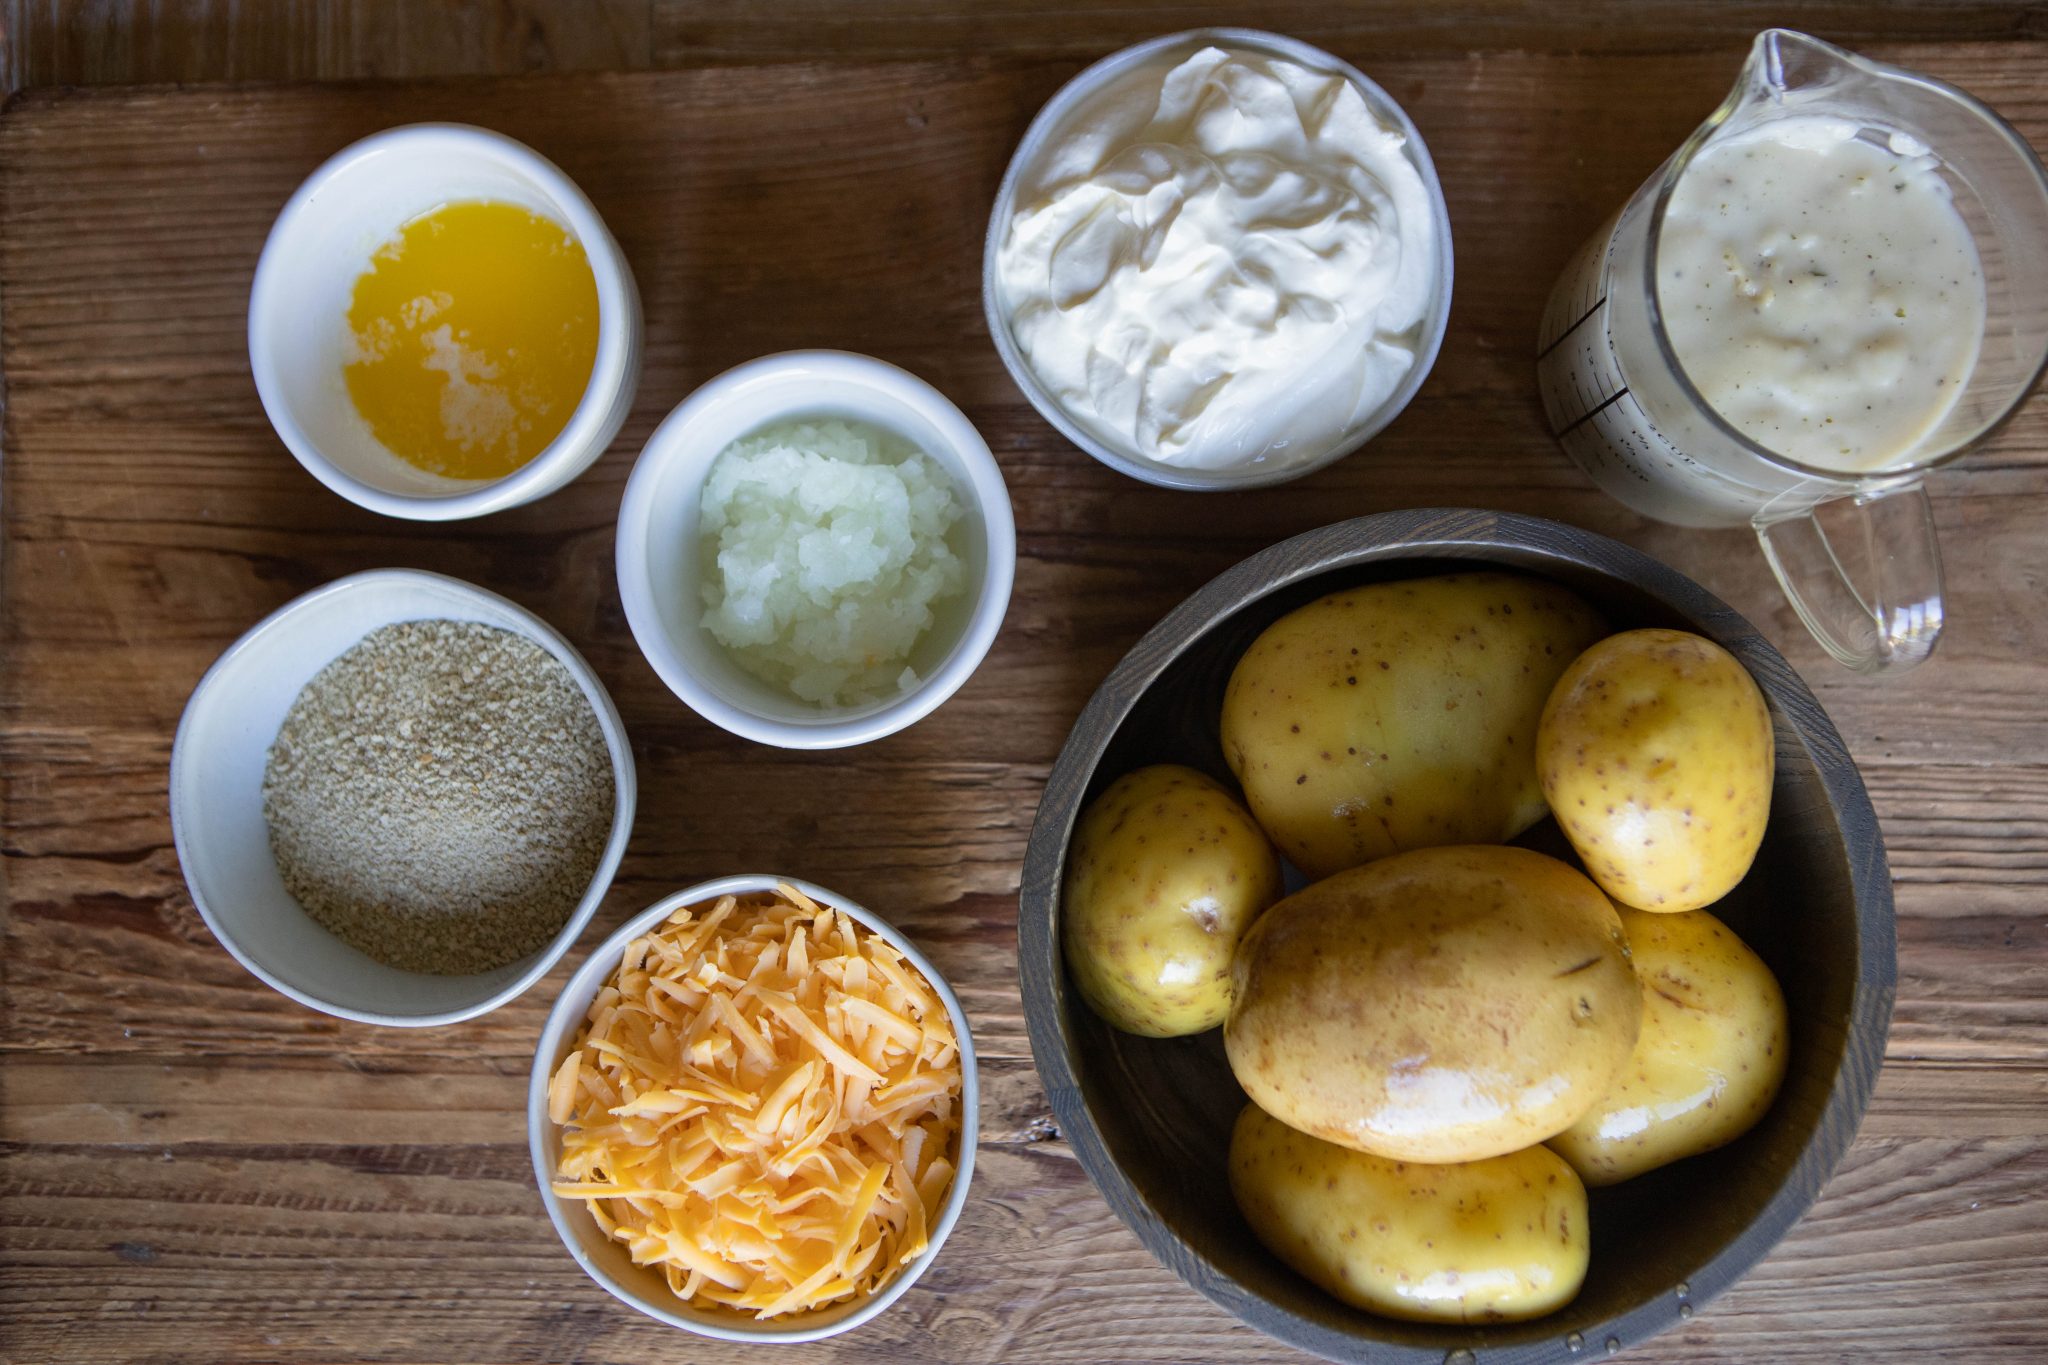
{"type": "Point", "coordinates": [1219, 259]}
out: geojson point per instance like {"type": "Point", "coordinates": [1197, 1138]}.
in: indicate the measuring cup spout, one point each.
{"type": "Point", "coordinates": [1788, 69]}
{"type": "Point", "coordinates": [1783, 62]}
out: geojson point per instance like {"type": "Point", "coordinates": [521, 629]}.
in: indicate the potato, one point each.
{"type": "Point", "coordinates": [1707, 1063]}
{"type": "Point", "coordinates": [1443, 1005]}
{"type": "Point", "coordinates": [1165, 873]}
{"type": "Point", "coordinates": [1655, 755]}
{"type": "Point", "coordinates": [1476, 1241]}
{"type": "Point", "coordinates": [1400, 715]}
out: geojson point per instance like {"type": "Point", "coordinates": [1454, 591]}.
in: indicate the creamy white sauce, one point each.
{"type": "Point", "coordinates": [1821, 291]}
{"type": "Point", "coordinates": [1220, 260]}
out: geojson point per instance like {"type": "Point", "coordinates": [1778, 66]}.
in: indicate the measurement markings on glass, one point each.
{"type": "Point", "coordinates": [1591, 413]}
{"type": "Point", "coordinates": [1559, 340]}
{"type": "Point", "coordinates": [1587, 399]}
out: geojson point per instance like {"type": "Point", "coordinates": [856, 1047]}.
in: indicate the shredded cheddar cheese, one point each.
{"type": "Point", "coordinates": [764, 1103]}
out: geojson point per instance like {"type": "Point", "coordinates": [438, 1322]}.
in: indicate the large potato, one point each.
{"type": "Point", "coordinates": [1655, 755]}
{"type": "Point", "coordinates": [1165, 873]}
{"type": "Point", "coordinates": [1401, 715]}
{"type": "Point", "coordinates": [1443, 1005]}
{"type": "Point", "coordinates": [1478, 1241]}
{"type": "Point", "coordinates": [1708, 1060]}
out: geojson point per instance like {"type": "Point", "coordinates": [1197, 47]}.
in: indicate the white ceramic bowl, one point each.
{"type": "Point", "coordinates": [322, 243]}
{"type": "Point", "coordinates": [1049, 123]}
{"type": "Point", "coordinates": [609, 1263]}
{"type": "Point", "coordinates": [217, 764]}
{"type": "Point", "coordinates": [660, 577]}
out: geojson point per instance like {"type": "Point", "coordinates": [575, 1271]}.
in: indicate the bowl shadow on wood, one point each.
{"type": "Point", "coordinates": [1151, 1118]}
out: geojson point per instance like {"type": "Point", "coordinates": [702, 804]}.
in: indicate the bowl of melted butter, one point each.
{"type": "Point", "coordinates": [442, 326]}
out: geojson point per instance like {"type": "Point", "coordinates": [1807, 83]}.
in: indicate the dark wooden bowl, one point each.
{"type": "Point", "coordinates": [1150, 1118]}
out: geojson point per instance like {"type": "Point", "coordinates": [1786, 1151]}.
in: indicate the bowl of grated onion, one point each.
{"type": "Point", "coordinates": [828, 569]}
{"type": "Point", "coordinates": [752, 1112]}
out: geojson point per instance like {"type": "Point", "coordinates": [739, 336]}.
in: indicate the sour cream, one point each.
{"type": "Point", "coordinates": [1821, 290]}
{"type": "Point", "coordinates": [1221, 260]}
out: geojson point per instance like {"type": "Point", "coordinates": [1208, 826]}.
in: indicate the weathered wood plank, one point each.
{"type": "Point", "coordinates": [318, 1169]}
{"type": "Point", "coordinates": [108, 42]}
{"type": "Point", "coordinates": [117, 42]}
{"type": "Point", "coordinates": [689, 31]}
{"type": "Point", "coordinates": [229, 1252]}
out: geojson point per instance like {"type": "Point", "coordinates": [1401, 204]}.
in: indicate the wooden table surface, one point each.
{"type": "Point", "coordinates": [194, 1169]}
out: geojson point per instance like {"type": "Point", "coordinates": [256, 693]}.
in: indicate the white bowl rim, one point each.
{"type": "Point", "coordinates": [625, 797]}
{"type": "Point", "coordinates": [564, 1018]}
{"type": "Point", "coordinates": [563, 458]}
{"type": "Point", "coordinates": [985, 484]}
{"type": "Point", "coordinates": [1041, 128]}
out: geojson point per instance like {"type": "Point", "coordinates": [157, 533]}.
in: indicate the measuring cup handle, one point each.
{"type": "Point", "coordinates": [1891, 620]}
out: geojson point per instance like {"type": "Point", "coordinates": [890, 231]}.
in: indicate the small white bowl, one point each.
{"type": "Point", "coordinates": [1050, 122]}
{"type": "Point", "coordinates": [217, 764]}
{"type": "Point", "coordinates": [322, 243]}
{"type": "Point", "coordinates": [660, 577]}
{"type": "Point", "coordinates": [609, 1263]}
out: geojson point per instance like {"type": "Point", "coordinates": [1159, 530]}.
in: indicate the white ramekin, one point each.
{"type": "Point", "coordinates": [660, 577]}
{"type": "Point", "coordinates": [322, 243]}
{"type": "Point", "coordinates": [1048, 125]}
{"type": "Point", "coordinates": [609, 1263]}
{"type": "Point", "coordinates": [223, 842]}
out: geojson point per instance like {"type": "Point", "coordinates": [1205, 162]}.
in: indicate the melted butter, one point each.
{"type": "Point", "coordinates": [472, 338]}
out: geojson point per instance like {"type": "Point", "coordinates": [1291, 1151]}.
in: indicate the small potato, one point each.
{"type": "Point", "coordinates": [1707, 1063]}
{"type": "Point", "coordinates": [1655, 756]}
{"type": "Point", "coordinates": [1400, 715]}
{"type": "Point", "coordinates": [1479, 1241]}
{"type": "Point", "coordinates": [1165, 874]}
{"type": "Point", "coordinates": [1448, 1004]}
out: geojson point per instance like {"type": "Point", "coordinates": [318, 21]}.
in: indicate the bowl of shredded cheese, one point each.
{"type": "Point", "coordinates": [753, 1112]}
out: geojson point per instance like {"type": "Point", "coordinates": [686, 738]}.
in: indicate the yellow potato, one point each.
{"type": "Point", "coordinates": [1707, 1063]}
{"type": "Point", "coordinates": [1655, 755]}
{"type": "Point", "coordinates": [1400, 715]}
{"type": "Point", "coordinates": [1478, 1241]}
{"type": "Point", "coordinates": [1443, 1005]}
{"type": "Point", "coordinates": [1165, 873]}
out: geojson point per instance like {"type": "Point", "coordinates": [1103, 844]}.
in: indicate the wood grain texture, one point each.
{"type": "Point", "coordinates": [192, 1169]}
{"type": "Point", "coordinates": [121, 42]}
{"type": "Point", "coordinates": [690, 31]}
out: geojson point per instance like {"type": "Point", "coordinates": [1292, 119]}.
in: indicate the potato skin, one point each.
{"type": "Point", "coordinates": [1707, 1063]}
{"type": "Point", "coordinates": [1448, 1004]}
{"type": "Point", "coordinates": [1400, 715]}
{"type": "Point", "coordinates": [1655, 754]}
{"type": "Point", "coordinates": [1481, 1241]}
{"type": "Point", "coordinates": [1165, 873]}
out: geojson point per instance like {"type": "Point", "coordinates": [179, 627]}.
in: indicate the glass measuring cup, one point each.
{"type": "Point", "coordinates": [1621, 402]}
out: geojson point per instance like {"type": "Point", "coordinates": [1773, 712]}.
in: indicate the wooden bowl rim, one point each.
{"type": "Point", "coordinates": [1468, 534]}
